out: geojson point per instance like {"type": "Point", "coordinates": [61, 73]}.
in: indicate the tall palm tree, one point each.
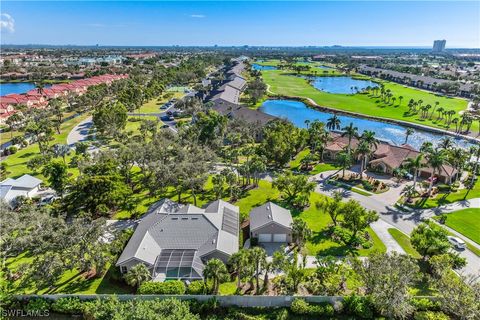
{"type": "Point", "coordinates": [333, 123]}
{"type": "Point", "coordinates": [446, 143]}
{"type": "Point", "coordinates": [474, 152]}
{"type": "Point", "coordinates": [344, 160]}
{"type": "Point", "coordinates": [457, 157]}
{"type": "Point", "coordinates": [408, 133]}
{"type": "Point", "coordinates": [216, 271]}
{"type": "Point", "coordinates": [434, 107]}
{"type": "Point", "coordinates": [368, 137]}
{"type": "Point", "coordinates": [300, 232]}
{"type": "Point", "coordinates": [239, 261]}
{"type": "Point", "coordinates": [415, 164]}
{"type": "Point", "coordinates": [137, 275]}
{"type": "Point", "coordinates": [435, 160]}
{"type": "Point", "coordinates": [257, 257]}
{"type": "Point", "coordinates": [363, 151]}
{"type": "Point", "coordinates": [351, 132]}
{"type": "Point", "coordinates": [426, 147]}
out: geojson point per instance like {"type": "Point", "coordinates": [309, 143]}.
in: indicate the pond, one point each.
{"type": "Point", "coordinates": [297, 112]}
{"type": "Point", "coordinates": [343, 85]}
{"type": "Point", "coordinates": [16, 87]}
{"type": "Point", "coordinates": [259, 67]}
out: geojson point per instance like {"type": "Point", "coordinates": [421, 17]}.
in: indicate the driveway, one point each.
{"type": "Point", "coordinates": [404, 221]}
{"type": "Point", "coordinates": [381, 229]}
{"type": "Point", "coordinates": [81, 132]}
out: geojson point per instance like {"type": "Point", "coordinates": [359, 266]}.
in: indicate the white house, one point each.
{"type": "Point", "coordinates": [26, 185]}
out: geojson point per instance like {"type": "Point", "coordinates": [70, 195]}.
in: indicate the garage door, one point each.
{"type": "Point", "coordinates": [265, 237]}
{"type": "Point", "coordinates": [280, 237]}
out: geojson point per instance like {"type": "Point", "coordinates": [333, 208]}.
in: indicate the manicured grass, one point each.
{"type": "Point", "coordinates": [321, 243]}
{"type": "Point", "coordinates": [466, 222]}
{"type": "Point", "coordinates": [446, 198]}
{"type": "Point", "coordinates": [153, 106]}
{"type": "Point", "coordinates": [318, 168]}
{"type": "Point", "coordinates": [295, 163]}
{"type": "Point", "coordinates": [282, 83]}
{"type": "Point", "coordinates": [17, 163]}
{"type": "Point", "coordinates": [404, 242]}
{"type": "Point", "coordinates": [134, 123]}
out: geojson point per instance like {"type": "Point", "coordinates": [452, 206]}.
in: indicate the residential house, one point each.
{"type": "Point", "coordinates": [26, 186]}
{"type": "Point", "coordinates": [175, 241]}
{"type": "Point", "coordinates": [271, 223]}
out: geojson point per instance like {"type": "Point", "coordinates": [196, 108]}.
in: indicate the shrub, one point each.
{"type": "Point", "coordinates": [12, 150]}
{"type": "Point", "coordinates": [69, 305]}
{"type": "Point", "coordinates": [281, 314]}
{"type": "Point", "coordinates": [196, 287]}
{"type": "Point", "coordinates": [423, 304]}
{"type": "Point", "coordinates": [169, 287]}
{"type": "Point", "coordinates": [430, 315]}
{"type": "Point", "coordinates": [38, 304]}
{"type": "Point", "coordinates": [443, 219]}
{"type": "Point", "coordinates": [367, 185]}
{"type": "Point", "coordinates": [328, 310]}
{"type": "Point", "coordinates": [358, 306]}
{"type": "Point", "coordinates": [301, 307]}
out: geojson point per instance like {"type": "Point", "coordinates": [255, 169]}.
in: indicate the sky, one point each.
{"type": "Point", "coordinates": [255, 23]}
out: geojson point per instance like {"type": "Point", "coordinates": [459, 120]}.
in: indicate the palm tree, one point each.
{"type": "Point", "coordinates": [415, 164]}
{"type": "Point", "coordinates": [426, 147]}
{"type": "Point", "coordinates": [351, 132]}
{"type": "Point", "coordinates": [40, 87]}
{"type": "Point", "coordinates": [400, 98]}
{"type": "Point", "coordinates": [440, 112]}
{"type": "Point", "coordinates": [435, 160]}
{"type": "Point", "coordinates": [363, 150]}
{"type": "Point", "coordinates": [257, 257]}
{"type": "Point", "coordinates": [475, 152]}
{"type": "Point", "coordinates": [216, 271]}
{"type": "Point", "coordinates": [408, 133]}
{"type": "Point", "coordinates": [300, 232]}
{"type": "Point", "coordinates": [61, 150]}
{"type": "Point", "coordinates": [446, 143]}
{"type": "Point", "coordinates": [434, 107]}
{"type": "Point", "coordinates": [344, 160]}
{"type": "Point", "coordinates": [239, 261]}
{"type": "Point", "coordinates": [333, 123]}
{"type": "Point", "coordinates": [409, 192]}
{"type": "Point", "coordinates": [137, 275]}
{"type": "Point", "coordinates": [369, 138]}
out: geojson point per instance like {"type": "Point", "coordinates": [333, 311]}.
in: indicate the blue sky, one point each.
{"type": "Point", "coordinates": [358, 23]}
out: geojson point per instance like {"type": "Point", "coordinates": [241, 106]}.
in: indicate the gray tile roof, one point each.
{"type": "Point", "coordinates": [269, 212]}
{"type": "Point", "coordinates": [168, 225]}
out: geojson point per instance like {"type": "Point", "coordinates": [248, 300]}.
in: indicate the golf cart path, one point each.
{"type": "Point", "coordinates": [80, 132]}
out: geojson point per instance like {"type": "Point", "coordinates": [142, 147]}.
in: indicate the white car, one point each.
{"type": "Point", "coordinates": [457, 242]}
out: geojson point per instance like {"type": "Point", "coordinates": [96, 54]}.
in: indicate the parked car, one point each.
{"type": "Point", "coordinates": [47, 199]}
{"type": "Point", "coordinates": [457, 242]}
{"type": "Point", "coordinates": [165, 106]}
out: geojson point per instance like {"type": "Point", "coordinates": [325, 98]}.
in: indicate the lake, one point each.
{"type": "Point", "coordinates": [16, 87]}
{"type": "Point", "coordinates": [259, 67]}
{"type": "Point", "coordinates": [343, 85]}
{"type": "Point", "coordinates": [297, 112]}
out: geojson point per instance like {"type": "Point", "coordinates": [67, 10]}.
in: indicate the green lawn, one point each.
{"type": "Point", "coordinates": [318, 168]}
{"type": "Point", "coordinates": [466, 222]}
{"type": "Point", "coordinates": [282, 83]}
{"type": "Point", "coordinates": [404, 242]}
{"type": "Point", "coordinates": [446, 198]}
{"type": "Point", "coordinates": [134, 123]}
{"type": "Point", "coordinates": [153, 106]}
{"type": "Point", "coordinates": [17, 163]}
{"type": "Point", "coordinates": [73, 281]}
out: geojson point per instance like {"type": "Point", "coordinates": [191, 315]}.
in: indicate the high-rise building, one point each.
{"type": "Point", "coordinates": [439, 45]}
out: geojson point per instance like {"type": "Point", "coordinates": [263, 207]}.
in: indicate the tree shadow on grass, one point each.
{"type": "Point", "coordinates": [27, 155]}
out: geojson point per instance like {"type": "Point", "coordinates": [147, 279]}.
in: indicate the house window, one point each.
{"type": "Point", "coordinates": [123, 269]}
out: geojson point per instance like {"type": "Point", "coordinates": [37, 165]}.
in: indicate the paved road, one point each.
{"type": "Point", "coordinates": [404, 221]}
{"type": "Point", "coordinates": [80, 132]}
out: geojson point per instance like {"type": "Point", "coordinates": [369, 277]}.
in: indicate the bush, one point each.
{"type": "Point", "coordinates": [12, 150]}
{"type": "Point", "coordinates": [38, 304]}
{"type": "Point", "coordinates": [169, 287]}
{"type": "Point", "coordinates": [69, 305]}
{"type": "Point", "coordinates": [196, 287]}
{"type": "Point", "coordinates": [358, 306]}
{"type": "Point", "coordinates": [301, 307]}
{"type": "Point", "coordinates": [367, 185]}
{"type": "Point", "coordinates": [431, 315]}
{"type": "Point", "coordinates": [328, 310]}
{"type": "Point", "coordinates": [281, 314]}
{"type": "Point", "coordinates": [423, 304]}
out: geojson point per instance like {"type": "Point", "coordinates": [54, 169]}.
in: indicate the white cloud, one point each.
{"type": "Point", "coordinates": [7, 22]}
{"type": "Point", "coordinates": [197, 16]}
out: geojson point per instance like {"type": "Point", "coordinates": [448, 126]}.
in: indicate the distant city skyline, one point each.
{"type": "Point", "coordinates": [359, 23]}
